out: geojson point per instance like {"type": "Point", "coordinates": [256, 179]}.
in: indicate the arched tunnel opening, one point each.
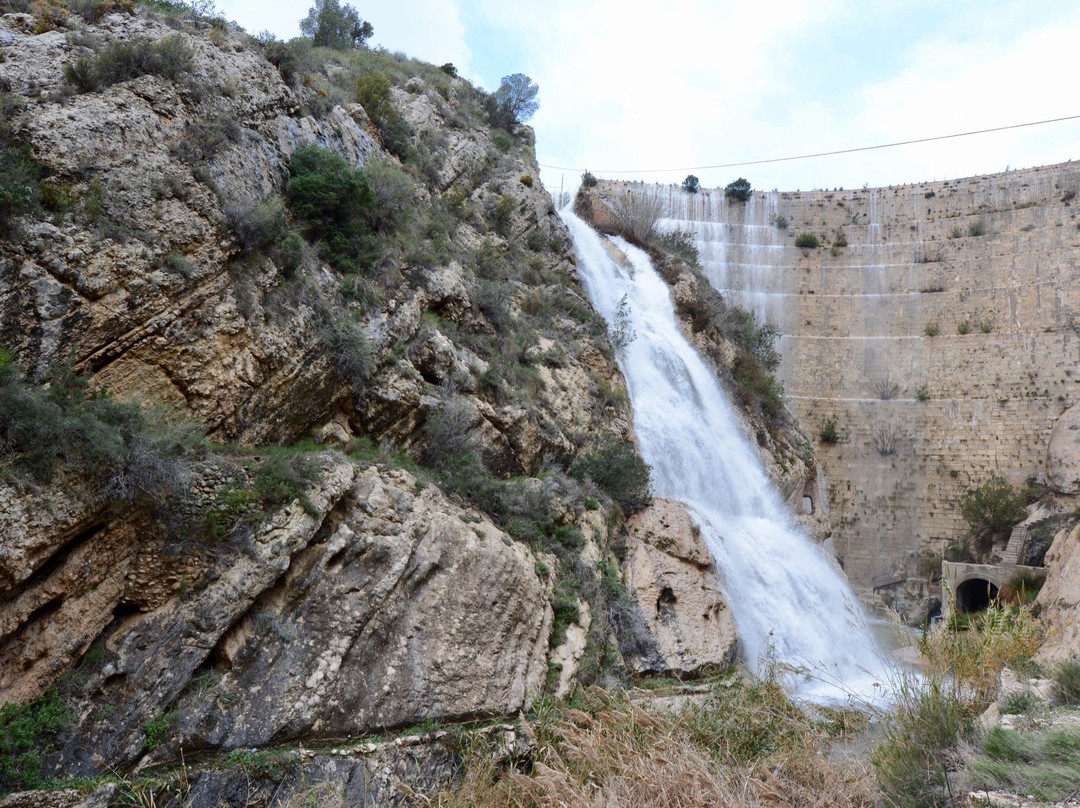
{"type": "Point", "coordinates": [975, 595]}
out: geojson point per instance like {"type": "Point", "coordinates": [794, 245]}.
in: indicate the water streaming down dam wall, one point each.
{"type": "Point", "coordinates": [789, 603]}
{"type": "Point", "coordinates": [995, 256]}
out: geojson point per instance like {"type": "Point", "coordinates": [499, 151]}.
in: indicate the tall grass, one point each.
{"type": "Point", "coordinates": [923, 738]}
{"type": "Point", "coordinates": [747, 745]}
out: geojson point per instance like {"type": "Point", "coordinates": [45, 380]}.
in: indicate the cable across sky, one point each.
{"type": "Point", "coordinates": [822, 154]}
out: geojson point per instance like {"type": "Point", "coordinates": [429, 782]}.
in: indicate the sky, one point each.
{"type": "Point", "coordinates": [655, 91]}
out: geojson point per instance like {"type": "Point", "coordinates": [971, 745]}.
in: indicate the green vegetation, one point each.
{"type": "Point", "coordinates": [829, 434]}
{"type": "Point", "coordinates": [807, 241]}
{"type": "Point", "coordinates": [935, 716]}
{"type": "Point", "coordinates": [977, 228]}
{"type": "Point", "coordinates": [27, 732]}
{"type": "Point", "coordinates": [514, 101]}
{"type": "Point", "coordinates": [619, 471]}
{"type": "Point", "coordinates": [743, 743]}
{"type": "Point", "coordinates": [922, 393]}
{"type": "Point", "coordinates": [738, 189]}
{"type": "Point", "coordinates": [932, 329]}
{"type": "Point", "coordinates": [336, 204]}
{"type": "Point", "coordinates": [963, 327]}
{"type": "Point", "coordinates": [157, 729]}
{"type": "Point", "coordinates": [133, 454]}
{"type": "Point", "coordinates": [588, 180]}
{"type": "Point", "coordinates": [122, 60]}
{"type": "Point", "coordinates": [331, 25]}
{"type": "Point", "coordinates": [20, 175]}
{"type": "Point", "coordinates": [992, 508]}
{"type": "Point", "coordinates": [1045, 765]}
{"type": "Point", "coordinates": [919, 744]}
{"type": "Point", "coordinates": [1066, 676]}
{"type": "Point", "coordinates": [691, 184]}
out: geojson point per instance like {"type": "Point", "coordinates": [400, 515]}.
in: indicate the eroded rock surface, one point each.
{"type": "Point", "coordinates": [375, 604]}
{"type": "Point", "coordinates": [671, 573]}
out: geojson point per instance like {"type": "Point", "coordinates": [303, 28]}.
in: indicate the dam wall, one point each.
{"type": "Point", "coordinates": [938, 325]}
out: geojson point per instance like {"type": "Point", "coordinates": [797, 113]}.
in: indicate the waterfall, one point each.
{"type": "Point", "coordinates": [789, 603]}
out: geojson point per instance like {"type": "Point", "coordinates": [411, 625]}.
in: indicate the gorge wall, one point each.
{"type": "Point", "coordinates": [936, 323]}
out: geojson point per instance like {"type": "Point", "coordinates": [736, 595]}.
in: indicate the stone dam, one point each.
{"type": "Point", "coordinates": [938, 325]}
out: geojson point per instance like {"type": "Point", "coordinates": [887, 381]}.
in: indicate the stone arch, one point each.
{"type": "Point", "coordinates": [975, 595]}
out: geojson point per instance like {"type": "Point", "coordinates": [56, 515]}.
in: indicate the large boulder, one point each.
{"type": "Point", "coordinates": [672, 575]}
{"type": "Point", "coordinates": [1063, 453]}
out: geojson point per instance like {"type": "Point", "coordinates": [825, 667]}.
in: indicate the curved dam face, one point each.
{"type": "Point", "coordinates": [937, 324]}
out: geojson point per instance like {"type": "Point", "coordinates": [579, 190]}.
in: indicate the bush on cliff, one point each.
{"type": "Point", "coordinates": [992, 508]}
{"type": "Point", "coordinates": [132, 454]}
{"type": "Point", "coordinates": [335, 201]}
{"type": "Point", "coordinates": [121, 60]}
{"type": "Point", "coordinates": [620, 472]}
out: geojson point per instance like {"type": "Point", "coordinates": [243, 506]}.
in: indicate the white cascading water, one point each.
{"type": "Point", "coordinates": [790, 605]}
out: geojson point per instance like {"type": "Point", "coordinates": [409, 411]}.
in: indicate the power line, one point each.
{"type": "Point", "coordinates": [826, 153]}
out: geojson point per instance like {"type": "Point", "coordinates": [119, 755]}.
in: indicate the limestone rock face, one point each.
{"type": "Point", "coordinates": [1059, 597]}
{"type": "Point", "coordinates": [670, 572]}
{"type": "Point", "coordinates": [1063, 453]}
{"type": "Point", "coordinates": [381, 604]}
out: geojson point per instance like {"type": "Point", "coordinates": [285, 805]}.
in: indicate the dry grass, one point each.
{"type": "Point", "coordinates": [745, 746]}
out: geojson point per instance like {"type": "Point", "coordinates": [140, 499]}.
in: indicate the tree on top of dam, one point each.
{"type": "Point", "coordinates": [691, 184]}
{"type": "Point", "coordinates": [739, 189]}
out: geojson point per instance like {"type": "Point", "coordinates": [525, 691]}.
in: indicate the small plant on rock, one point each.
{"type": "Point", "coordinates": [807, 241]}
{"type": "Point", "coordinates": [829, 434]}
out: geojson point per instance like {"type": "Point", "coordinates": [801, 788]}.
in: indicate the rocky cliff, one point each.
{"type": "Point", "coordinates": [200, 228]}
{"type": "Point", "coordinates": [307, 428]}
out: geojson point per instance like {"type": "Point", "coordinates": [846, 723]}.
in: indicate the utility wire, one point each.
{"type": "Point", "coordinates": [827, 153]}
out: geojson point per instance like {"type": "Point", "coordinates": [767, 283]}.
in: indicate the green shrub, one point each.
{"type": "Point", "coordinates": [157, 729]}
{"type": "Point", "coordinates": [27, 732]}
{"type": "Point", "coordinates": [121, 60]}
{"type": "Point", "coordinates": [691, 184]}
{"type": "Point", "coordinates": [502, 212]}
{"type": "Point", "coordinates": [963, 327]}
{"type": "Point", "coordinates": [977, 228]}
{"type": "Point", "coordinates": [588, 180]}
{"type": "Point", "coordinates": [738, 189]}
{"type": "Point", "coordinates": [393, 190]}
{"type": "Point", "coordinates": [807, 241]}
{"type": "Point", "coordinates": [993, 507]}
{"type": "Point", "coordinates": [1021, 702]}
{"type": "Point", "coordinates": [932, 329]}
{"type": "Point", "coordinates": [19, 182]}
{"type": "Point", "coordinates": [681, 243]}
{"type": "Point", "coordinates": [956, 232]}
{"type": "Point", "coordinates": [919, 743]}
{"type": "Point", "coordinates": [619, 471]}
{"type": "Point", "coordinates": [923, 393]}
{"type": "Point", "coordinates": [133, 454]}
{"type": "Point", "coordinates": [1066, 676]}
{"type": "Point", "coordinates": [828, 432]}
{"type": "Point", "coordinates": [335, 201]}
{"type": "Point", "coordinates": [347, 345]}
{"type": "Point", "coordinates": [780, 222]}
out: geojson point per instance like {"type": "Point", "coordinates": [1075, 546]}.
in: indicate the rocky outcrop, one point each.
{"type": "Point", "coordinates": [670, 572]}
{"type": "Point", "coordinates": [372, 604]}
{"type": "Point", "coordinates": [1063, 453]}
{"type": "Point", "coordinates": [1059, 598]}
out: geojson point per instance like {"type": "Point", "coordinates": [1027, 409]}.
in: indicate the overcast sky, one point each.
{"type": "Point", "coordinates": [635, 87]}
